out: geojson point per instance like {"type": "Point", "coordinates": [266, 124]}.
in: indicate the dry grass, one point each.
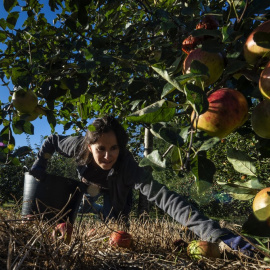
{"type": "Point", "coordinates": [29, 246]}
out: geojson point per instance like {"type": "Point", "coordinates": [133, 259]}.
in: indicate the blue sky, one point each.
{"type": "Point", "coordinates": [41, 126]}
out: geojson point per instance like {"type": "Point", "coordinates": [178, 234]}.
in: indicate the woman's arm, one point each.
{"type": "Point", "coordinates": [64, 145]}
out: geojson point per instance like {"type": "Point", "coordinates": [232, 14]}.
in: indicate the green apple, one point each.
{"type": "Point", "coordinates": [228, 110]}
{"type": "Point", "coordinates": [260, 119]}
{"type": "Point", "coordinates": [25, 101]}
{"type": "Point", "coordinates": [253, 52]}
{"type": "Point", "coordinates": [33, 115]}
{"type": "Point", "coordinates": [213, 61]}
{"type": "Point", "coordinates": [261, 204]}
{"type": "Point", "coordinates": [198, 249]}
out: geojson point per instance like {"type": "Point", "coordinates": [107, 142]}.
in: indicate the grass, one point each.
{"type": "Point", "coordinates": [158, 243]}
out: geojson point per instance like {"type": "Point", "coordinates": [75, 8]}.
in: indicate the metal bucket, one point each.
{"type": "Point", "coordinates": [55, 197]}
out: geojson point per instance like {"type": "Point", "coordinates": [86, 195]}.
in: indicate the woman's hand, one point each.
{"type": "Point", "coordinates": [38, 172]}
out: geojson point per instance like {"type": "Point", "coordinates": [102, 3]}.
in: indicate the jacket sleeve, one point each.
{"type": "Point", "coordinates": [175, 205]}
{"type": "Point", "coordinates": [64, 145]}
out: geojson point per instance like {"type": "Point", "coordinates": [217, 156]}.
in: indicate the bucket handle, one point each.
{"type": "Point", "coordinates": [25, 169]}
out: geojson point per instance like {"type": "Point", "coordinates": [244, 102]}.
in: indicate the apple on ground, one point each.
{"type": "Point", "coordinates": [214, 62]}
{"type": "Point", "coordinates": [264, 81]}
{"type": "Point", "coordinates": [91, 233]}
{"type": "Point", "coordinates": [25, 101]}
{"type": "Point", "coordinates": [260, 119]}
{"type": "Point", "coordinates": [120, 239]}
{"type": "Point", "coordinates": [253, 52]}
{"type": "Point", "coordinates": [228, 110]}
{"type": "Point", "coordinates": [198, 249]}
{"type": "Point", "coordinates": [63, 231]}
{"type": "Point", "coordinates": [261, 205]}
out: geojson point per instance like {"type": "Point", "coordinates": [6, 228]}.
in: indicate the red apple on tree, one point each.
{"type": "Point", "coordinates": [264, 81]}
{"type": "Point", "coordinates": [190, 43]}
{"type": "Point", "coordinates": [252, 51]}
{"type": "Point", "coordinates": [213, 61]}
{"type": "Point", "coordinates": [25, 101]}
{"type": "Point", "coordinates": [198, 249]}
{"type": "Point", "coordinates": [208, 22]}
{"type": "Point", "coordinates": [261, 204]}
{"type": "Point", "coordinates": [228, 110]}
{"type": "Point", "coordinates": [120, 239]}
{"type": "Point", "coordinates": [63, 231]}
{"type": "Point", "coordinates": [260, 119]}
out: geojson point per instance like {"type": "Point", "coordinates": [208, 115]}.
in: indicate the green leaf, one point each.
{"type": "Point", "coordinates": [21, 126]}
{"type": "Point", "coordinates": [242, 190]}
{"type": "Point", "coordinates": [183, 79]}
{"type": "Point", "coordinates": [12, 19]}
{"type": "Point", "coordinates": [241, 162]}
{"type": "Point", "coordinates": [197, 98]}
{"type": "Point", "coordinates": [209, 144]}
{"type": "Point", "coordinates": [160, 111]}
{"type": "Point", "coordinates": [203, 169]}
{"type": "Point", "coordinates": [167, 133]}
{"type": "Point", "coordinates": [51, 119]}
{"type": "Point", "coordinates": [165, 75]}
{"type": "Point", "coordinates": [154, 160]}
{"type": "Point", "coordinates": [262, 39]}
{"type": "Point", "coordinates": [9, 4]}
{"type": "Point", "coordinates": [234, 65]}
{"type": "Point", "coordinates": [255, 227]}
{"type": "Point", "coordinates": [22, 151]}
{"type": "Point", "coordinates": [206, 32]}
{"type": "Point", "coordinates": [176, 159]}
{"type": "Point", "coordinates": [198, 67]}
{"type": "Point", "coordinates": [6, 136]}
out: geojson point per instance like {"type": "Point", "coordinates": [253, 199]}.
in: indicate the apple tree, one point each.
{"type": "Point", "coordinates": [157, 66]}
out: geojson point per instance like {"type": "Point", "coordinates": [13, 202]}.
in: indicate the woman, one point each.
{"type": "Point", "coordinates": [108, 168]}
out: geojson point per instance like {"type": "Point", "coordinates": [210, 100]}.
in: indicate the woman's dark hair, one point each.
{"type": "Point", "coordinates": [101, 125]}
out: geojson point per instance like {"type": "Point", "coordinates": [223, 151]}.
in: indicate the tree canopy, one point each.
{"type": "Point", "coordinates": [126, 58]}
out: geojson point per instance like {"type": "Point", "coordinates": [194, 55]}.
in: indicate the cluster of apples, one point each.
{"type": "Point", "coordinates": [26, 104]}
{"type": "Point", "coordinates": [228, 108]}
{"type": "Point", "coordinates": [260, 117]}
{"type": "Point", "coordinates": [214, 61]}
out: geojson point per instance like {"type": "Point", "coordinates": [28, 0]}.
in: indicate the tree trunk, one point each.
{"type": "Point", "coordinates": [143, 204]}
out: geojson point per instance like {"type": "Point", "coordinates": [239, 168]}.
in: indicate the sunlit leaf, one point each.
{"type": "Point", "coordinates": [154, 160]}
{"type": "Point", "coordinates": [161, 111]}
{"type": "Point", "coordinates": [241, 162]}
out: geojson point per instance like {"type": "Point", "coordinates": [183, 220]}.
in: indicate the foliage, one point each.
{"type": "Point", "coordinates": [125, 58]}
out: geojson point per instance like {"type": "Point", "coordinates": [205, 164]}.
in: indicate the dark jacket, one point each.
{"type": "Point", "coordinates": [126, 175]}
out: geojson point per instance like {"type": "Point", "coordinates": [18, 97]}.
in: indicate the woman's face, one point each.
{"type": "Point", "coordinates": [105, 151]}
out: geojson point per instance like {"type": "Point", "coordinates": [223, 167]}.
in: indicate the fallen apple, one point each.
{"type": "Point", "coordinates": [261, 204]}
{"type": "Point", "coordinates": [63, 231]}
{"type": "Point", "coordinates": [91, 233]}
{"type": "Point", "coordinates": [198, 249]}
{"type": "Point", "coordinates": [260, 119]}
{"type": "Point", "coordinates": [213, 61]}
{"type": "Point", "coordinates": [25, 101]}
{"type": "Point", "coordinates": [252, 51]}
{"type": "Point", "coordinates": [264, 81]}
{"type": "Point", "coordinates": [120, 239]}
{"type": "Point", "coordinates": [228, 110]}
